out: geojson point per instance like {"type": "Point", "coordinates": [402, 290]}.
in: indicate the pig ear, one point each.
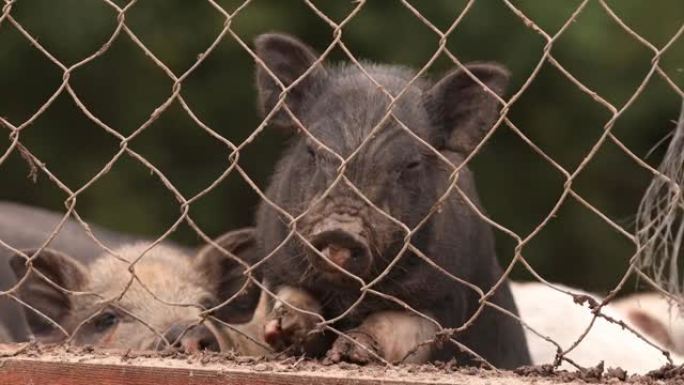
{"type": "Point", "coordinates": [462, 110]}
{"type": "Point", "coordinates": [287, 58]}
{"type": "Point", "coordinates": [43, 296]}
{"type": "Point", "coordinates": [226, 275]}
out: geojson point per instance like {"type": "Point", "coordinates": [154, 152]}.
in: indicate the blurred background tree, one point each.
{"type": "Point", "coordinates": [517, 186]}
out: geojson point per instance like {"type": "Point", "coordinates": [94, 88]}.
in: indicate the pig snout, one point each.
{"type": "Point", "coordinates": [273, 333]}
{"type": "Point", "coordinates": [341, 240]}
{"type": "Point", "coordinates": [191, 339]}
{"type": "Point", "coordinates": [343, 249]}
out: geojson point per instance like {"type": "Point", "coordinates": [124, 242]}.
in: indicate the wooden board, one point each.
{"type": "Point", "coordinates": [64, 367]}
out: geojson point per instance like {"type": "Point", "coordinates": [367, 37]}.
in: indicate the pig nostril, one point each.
{"type": "Point", "coordinates": [346, 250]}
{"type": "Point", "coordinates": [172, 337]}
{"type": "Point", "coordinates": [189, 339]}
{"type": "Point", "coordinates": [209, 343]}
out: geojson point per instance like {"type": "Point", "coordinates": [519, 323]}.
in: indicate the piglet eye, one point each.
{"type": "Point", "coordinates": [311, 152]}
{"type": "Point", "coordinates": [208, 303]}
{"type": "Point", "coordinates": [105, 321]}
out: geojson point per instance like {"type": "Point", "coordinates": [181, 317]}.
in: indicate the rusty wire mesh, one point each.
{"type": "Point", "coordinates": [639, 241]}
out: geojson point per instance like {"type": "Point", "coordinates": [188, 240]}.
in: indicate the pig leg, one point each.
{"type": "Point", "coordinates": [287, 328]}
{"type": "Point", "coordinates": [391, 335]}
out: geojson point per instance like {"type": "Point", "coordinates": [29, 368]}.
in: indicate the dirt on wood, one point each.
{"type": "Point", "coordinates": [226, 363]}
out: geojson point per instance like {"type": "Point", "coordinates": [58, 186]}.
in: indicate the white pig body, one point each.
{"type": "Point", "coordinates": [657, 316]}
{"type": "Point", "coordinates": [554, 314]}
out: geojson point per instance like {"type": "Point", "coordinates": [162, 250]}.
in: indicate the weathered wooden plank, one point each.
{"type": "Point", "coordinates": [62, 367]}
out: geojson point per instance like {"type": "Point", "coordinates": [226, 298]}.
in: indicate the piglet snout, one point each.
{"type": "Point", "coordinates": [190, 339]}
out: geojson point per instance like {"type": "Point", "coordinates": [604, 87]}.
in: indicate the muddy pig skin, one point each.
{"type": "Point", "coordinates": [349, 240]}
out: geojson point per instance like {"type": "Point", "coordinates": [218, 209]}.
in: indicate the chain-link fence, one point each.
{"type": "Point", "coordinates": [370, 243]}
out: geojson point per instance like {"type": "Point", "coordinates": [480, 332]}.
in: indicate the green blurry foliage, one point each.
{"type": "Point", "coordinates": [517, 186]}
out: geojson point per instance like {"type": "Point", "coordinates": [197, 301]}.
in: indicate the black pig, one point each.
{"type": "Point", "coordinates": [339, 106]}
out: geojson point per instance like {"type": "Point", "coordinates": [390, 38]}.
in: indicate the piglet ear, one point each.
{"type": "Point", "coordinates": [288, 59]}
{"type": "Point", "coordinates": [462, 110]}
{"type": "Point", "coordinates": [47, 299]}
{"type": "Point", "coordinates": [227, 274]}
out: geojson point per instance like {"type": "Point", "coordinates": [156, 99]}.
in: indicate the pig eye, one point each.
{"type": "Point", "coordinates": [105, 321]}
{"type": "Point", "coordinates": [413, 165]}
{"type": "Point", "coordinates": [311, 152]}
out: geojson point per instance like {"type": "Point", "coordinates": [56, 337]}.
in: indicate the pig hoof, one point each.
{"type": "Point", "coordinates": [288, 328]}
{"type": "Point", "coordinates": [352, 351]}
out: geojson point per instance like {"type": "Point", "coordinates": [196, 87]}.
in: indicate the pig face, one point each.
{"type": "Point", "coordinates": [96, 306]}
{"type": "Point", "coordinates": [394, 167]}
